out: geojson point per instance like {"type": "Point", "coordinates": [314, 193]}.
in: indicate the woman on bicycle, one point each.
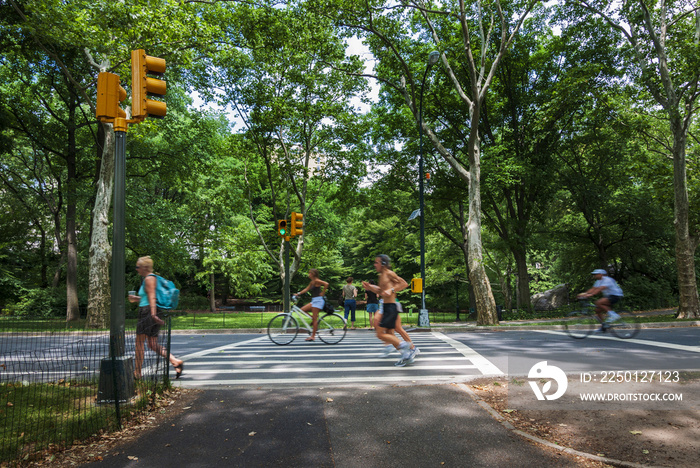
{"type": "Point", "coordinates": [317, 299]}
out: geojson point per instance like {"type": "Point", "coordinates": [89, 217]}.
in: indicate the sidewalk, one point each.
{"type": "Point", "coordinates": [406, 426]}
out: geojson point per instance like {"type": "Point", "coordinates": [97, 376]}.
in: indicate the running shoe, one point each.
{"type": "Point", "coordinates": [411, 355]}
{"type": "Point", "coordinates": [388, 349]}
{"type": "Point", "coordinates": [414, 352]}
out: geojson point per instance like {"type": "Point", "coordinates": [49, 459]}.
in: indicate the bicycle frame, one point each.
{"type": "Point", "coordinates": [301, 317]}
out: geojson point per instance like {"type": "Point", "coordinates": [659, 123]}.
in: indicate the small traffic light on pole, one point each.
{"type": "Point", "coordinates": [297, 224]}
{"type": "Point", "coordinates": [143, 86]}
{"type": "Point", "coordinates": [417, 285]}
{"type": "Point", "coordinates": [109, 95]}
{"type": "Point", "coordinates": [282, 230]}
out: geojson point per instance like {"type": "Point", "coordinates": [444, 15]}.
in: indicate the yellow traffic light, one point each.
{"type": "Point", "coordinates": [143, 86]}
{"type": "Point", "coordinates": [109, 95]}
{"type": "Point", "coordinates": [417, 285]}
{"type": "Point", "coordinates": [297, 224]}
{"type": "Point", "coordinates": [282, 230]}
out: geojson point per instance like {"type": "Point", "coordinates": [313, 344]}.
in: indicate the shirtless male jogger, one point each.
{"type": "Point", "coordinates": [389, 284]}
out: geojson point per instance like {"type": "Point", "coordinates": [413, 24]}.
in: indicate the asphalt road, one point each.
{"type": "Point", "coordinates": [445, 357]}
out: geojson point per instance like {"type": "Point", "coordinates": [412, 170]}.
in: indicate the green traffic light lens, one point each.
{"type": "Point", "coordinates": [283, 232]}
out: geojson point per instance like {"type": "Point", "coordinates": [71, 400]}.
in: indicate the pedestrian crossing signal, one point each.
{"type": "Point", "coordinates": [417, 285]}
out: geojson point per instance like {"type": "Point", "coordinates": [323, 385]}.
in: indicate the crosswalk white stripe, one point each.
{"type": "Point", "coordinates": [264, 353]}
{"type": "Point", "coordinates": [423, 358]}
{"type": "Point", "coordinates": [484, 365]}
{"type": "Point", "coordinates": [299, 370]}
{"type": "Point", "coordinates": [204, 352]}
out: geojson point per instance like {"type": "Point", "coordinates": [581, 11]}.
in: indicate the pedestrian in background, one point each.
{"type": "Point", "coordinates": [372, 304]}
{"type": "Point", "coordinates": [149, 322]}
{"type": "Point", "coordinates": [350, 296]}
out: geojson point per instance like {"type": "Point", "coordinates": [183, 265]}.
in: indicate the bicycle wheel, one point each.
{"type": "Point", "coordinates": [625, 327]}
{"type": "Point", "coordinates": [580, 324]}
{"type": "Point", "coordinates": [282, 329]}
{"type": "Point", "coordinates": [331, 328]}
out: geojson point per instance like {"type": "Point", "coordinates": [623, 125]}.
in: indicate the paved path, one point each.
{"type": "Point", "coordinates": [349, 427]}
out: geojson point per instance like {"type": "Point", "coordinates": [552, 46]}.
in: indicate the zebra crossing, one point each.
{"type": "Point", "coordinates": [355, 360]}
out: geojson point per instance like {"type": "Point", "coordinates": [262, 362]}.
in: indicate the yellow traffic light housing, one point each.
{"type": "Point", "coordinates": [297, 228]}
{"type": "Point", "coordinates": [282, 230]}
{"type": "Point", "coordinates": [417, 285]}
{"type": "Point", "coordinates": [143, 86]}
{"type": "Point", "coordinates": [109, 95]}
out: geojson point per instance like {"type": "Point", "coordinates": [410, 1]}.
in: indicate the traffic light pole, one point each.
{"type": "Point", "coordinates": [116, 328]}
{"type": "Point", "coordinates": [116, 373]}
{"type": "Point", "coordinates": [286, 293]}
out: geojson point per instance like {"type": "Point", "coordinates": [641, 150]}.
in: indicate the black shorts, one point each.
{"type": "Point", "coordinates": [146, 325]}
{"type": "Point", "coordinates": [614, 299]}
{"type": "Point", "coordinates": [389, 316]}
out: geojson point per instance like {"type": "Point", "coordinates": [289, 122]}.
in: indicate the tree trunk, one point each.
{"type": "Point", "coordinates": [100, 256]}
{"type": "Point", "coordinates": [485, 303]}
{"type": "Point", "coordinates": [72, 305]}
{"type": "Point", "coordinates": [212, 293]}
{"type": "Point", "coordinates": [523, 294]}
{"type": "Point", "coordinates": [685, 244]}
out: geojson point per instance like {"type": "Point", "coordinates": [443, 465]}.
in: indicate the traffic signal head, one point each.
{"type": "Point", "coordinates": [297, 224]}
{"type": "Point", "coordinates": [143, 86]}
{"type": "Point", "coordinates": [417, 285]}
{"type": "Point", "coordinates": [109, 95]}
{"type": "Point", "coordinates": [282, 230]}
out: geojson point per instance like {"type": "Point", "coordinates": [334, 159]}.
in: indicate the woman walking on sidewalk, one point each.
{"type": "Point", "coordinates": [149, 322]}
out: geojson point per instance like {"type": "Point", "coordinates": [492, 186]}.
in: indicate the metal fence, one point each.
{"type": "Point", "coordinates": [60, 386]}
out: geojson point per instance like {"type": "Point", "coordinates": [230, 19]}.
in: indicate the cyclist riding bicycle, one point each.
{"type": "Point", "coordinates": [611, 292]}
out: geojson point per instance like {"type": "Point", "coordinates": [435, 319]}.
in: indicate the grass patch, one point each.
{"type": "Point", "coordinates": [37, 415]}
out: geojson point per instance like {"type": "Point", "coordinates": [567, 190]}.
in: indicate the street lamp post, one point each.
{"type": "Point", "coordinates": [423, 316]}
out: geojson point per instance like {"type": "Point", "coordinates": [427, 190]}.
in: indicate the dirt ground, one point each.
{"type": "Point", "coordinates": [167, 406]}
{"type": "Point", "coordinates": [628, 433]}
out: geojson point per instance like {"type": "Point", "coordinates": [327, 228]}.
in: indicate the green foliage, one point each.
{"type": "Point", "coordinates": [575, 173]}
{"type": "Point", "coordinates": [39, 303]}
{"type": "Point", "coordinates": [193, 302]}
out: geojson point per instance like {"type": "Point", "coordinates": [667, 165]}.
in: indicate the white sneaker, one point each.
{"type": "Point", "coordinates": [388, 349]}
{"type": "Point", "coordinates": [401, 362]}
{"type": "Point", "coordinates": [412, 355]}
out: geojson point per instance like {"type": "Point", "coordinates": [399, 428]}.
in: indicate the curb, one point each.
{"type": "Point", "coordinates": [456, 328]}
{"type": "Point", "coordinates": [495, 415]}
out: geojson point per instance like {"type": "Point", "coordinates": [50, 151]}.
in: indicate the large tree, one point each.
{"type": "Point", "coordinates": [663, 38]}
{"type": "Point", "coordinates": [472, 39]}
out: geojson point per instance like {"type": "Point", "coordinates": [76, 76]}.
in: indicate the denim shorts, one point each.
{"type": "Point", "coordinates": [318, 302]}
{"type": "Point", "coordinates": [372, 308]}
